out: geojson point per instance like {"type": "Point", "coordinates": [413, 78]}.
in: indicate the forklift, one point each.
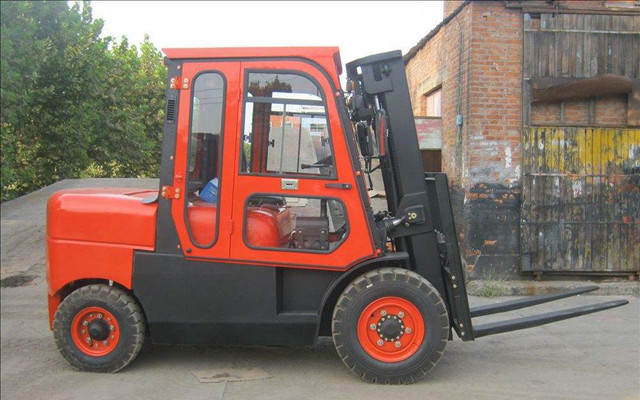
{"type": "Point", "coordinates": [261, 231]}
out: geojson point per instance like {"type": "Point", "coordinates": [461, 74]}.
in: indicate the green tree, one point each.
{"type": "Point", "coordinates": [74, 104]}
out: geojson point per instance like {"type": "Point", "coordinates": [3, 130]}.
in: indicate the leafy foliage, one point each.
{"type": "Point", "coordinates": [74, 104]}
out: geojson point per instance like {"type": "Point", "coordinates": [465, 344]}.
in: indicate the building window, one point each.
{"type": "Point", "coordinates": [434, 103]}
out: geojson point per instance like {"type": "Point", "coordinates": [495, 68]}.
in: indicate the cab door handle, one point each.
{"type": "Point", "coordinates": [345, 186]}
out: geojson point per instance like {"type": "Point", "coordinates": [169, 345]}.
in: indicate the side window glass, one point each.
{"type": "Point", "coordinates": [300, 223]}
{"type": "Point", "coordinates": [285, 127]}
{"type": "Point", "coordinates": [205, 140]}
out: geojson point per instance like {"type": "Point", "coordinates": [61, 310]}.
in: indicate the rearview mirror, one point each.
{"type": "Point", "coordinates": [365, 139]}
{"type": "Point", "coordinates": [381, 132]}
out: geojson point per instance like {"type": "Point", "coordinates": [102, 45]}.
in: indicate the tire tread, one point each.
{"type": "Point", "coordinates": [114, 296]}
{"type": "Point", "coordinates": [371, 279]}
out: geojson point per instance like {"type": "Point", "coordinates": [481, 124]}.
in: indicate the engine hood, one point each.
{"type": "Point", "coordinates": [114, 216]}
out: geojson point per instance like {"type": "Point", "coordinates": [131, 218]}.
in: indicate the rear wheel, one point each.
{"type": "Point", "coordinates": [390, 326]}
{"type": "Point", "coordinates": [99, 328]}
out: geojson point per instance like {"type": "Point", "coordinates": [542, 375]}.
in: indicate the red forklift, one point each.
{"type": "Point", "coordinates": [262, 232]}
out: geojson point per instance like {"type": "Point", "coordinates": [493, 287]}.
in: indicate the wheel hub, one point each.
{"type": "Point", "coordinates": [390, 328]}
{"type": "Point", "coordinates": [95, 331]}
{"type": "Point", "coordinates": [99, 329]}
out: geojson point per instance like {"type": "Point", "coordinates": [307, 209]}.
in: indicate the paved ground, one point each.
{"type": "Point", "coordinates": [591, 357]}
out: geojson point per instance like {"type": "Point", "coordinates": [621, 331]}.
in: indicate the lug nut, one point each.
{"type": "Point", "coordinates": [407, 330]}
{"type": "Point", "coordinates": [380, 342]}
{"type": "Point", "coordinates": [398, 344]}
{"type": "Point", "coordinates": [383, 312]}
{"type": "Point", "coordinates": [85, 323]}
{"type": "Point", "coordinates": [88, 340]}
{"type": "Point", "coordinates": [372, 327]}
{"type": "Point", "coordinates": [401, 314]}
{"type": "Point", "coordinates": [112, 328]}
{"type": "Point", "coordinates": [105, 343]}
{"type": "Point", "coordinates": [112, 337]}
{"type": "Point", "coordinates": [82, 331]}
{"type": "Point", "coordinates": [99, 315]}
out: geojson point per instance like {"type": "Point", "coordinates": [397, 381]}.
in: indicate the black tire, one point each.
{"type": "Point", "coordinates": [396, 282]}
{"type": "Point", "coordinates": [127, 313]}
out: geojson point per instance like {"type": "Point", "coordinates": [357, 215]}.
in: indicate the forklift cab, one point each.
{"type": "Point", "coordinates": [274, 136]}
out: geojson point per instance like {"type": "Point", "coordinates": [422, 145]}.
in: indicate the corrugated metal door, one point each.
{"type": "Point", "coordinates": [581, 200]}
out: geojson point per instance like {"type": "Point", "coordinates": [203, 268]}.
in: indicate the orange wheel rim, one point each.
{"type": "Point", "coordinates": [391, 329]}
{"type": "Point", "coordinates": [95, 331]}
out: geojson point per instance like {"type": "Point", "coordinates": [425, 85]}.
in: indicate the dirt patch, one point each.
{"type": "Point", "coordinates": [17, 280]}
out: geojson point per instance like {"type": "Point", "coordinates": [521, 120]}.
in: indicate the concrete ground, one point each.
{"type": "Point", "coordinates": [592, 357]}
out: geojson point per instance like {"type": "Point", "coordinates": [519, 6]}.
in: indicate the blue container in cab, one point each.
{"type": "Point", "coordinates": [210, 191]}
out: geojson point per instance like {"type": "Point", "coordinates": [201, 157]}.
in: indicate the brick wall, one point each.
{"type": "Point", "coordinates": [491, 180]}
{"type": "Point", "coordinates": [476, 57]}
{"type": "Point", "coordinates": [608, 111]}
{"type": "Point", "coordinates": [439, 64]}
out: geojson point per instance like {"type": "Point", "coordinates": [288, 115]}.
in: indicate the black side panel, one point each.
{"type": "Point", "coordinates": [302, 290]}
{"type": "Point", "coordinates": [206, 302]}
{"type": "Point", "coordinates": [166, 235]}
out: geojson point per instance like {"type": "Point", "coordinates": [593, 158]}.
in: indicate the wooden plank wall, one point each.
{"type": "Point", "coordinates": [581, 200]}
{"type": "Point", "coordinates": [579, 46]}
{"type": "Point", "coordinates": [581, 185]}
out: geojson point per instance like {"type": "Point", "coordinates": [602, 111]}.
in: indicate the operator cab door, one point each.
{"type": "Point", "coordinates": [204, 157]}
{"type": "Point", "coordinates": [296, 202]}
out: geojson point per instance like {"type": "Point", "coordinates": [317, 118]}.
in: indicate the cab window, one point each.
{"type": "Point", "coordinates": [299, 223]}
{"type": "Point", "coordinates": [205, 141]}
{"type": "Point", "coordinates": [285, 128]}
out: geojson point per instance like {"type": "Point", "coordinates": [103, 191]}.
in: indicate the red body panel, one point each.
{"type": "Point", "coordinates": [91, 233]}
{"type": "Point", "coordinates": [114, 216]}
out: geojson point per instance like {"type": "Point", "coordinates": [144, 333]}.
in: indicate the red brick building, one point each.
{"type": "Point", "coordinates": [540, 107]}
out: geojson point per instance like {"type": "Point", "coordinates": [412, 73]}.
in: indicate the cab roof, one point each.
{"type": "Point", "coordinates": [327, 57]}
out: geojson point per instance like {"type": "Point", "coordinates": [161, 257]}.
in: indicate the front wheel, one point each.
{"type": "Point", "coordinates": [99, 328]}
{"type": "Point", "coordinates": [390, 326]}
